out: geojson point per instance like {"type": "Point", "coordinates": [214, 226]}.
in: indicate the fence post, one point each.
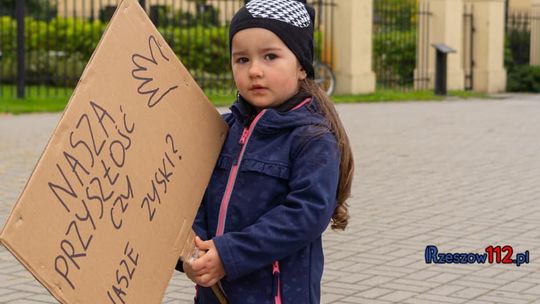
{"type": "Point", "coordinates": [535, 32]}
{"type": "Point", "coordinates": [443, 25]}
{"type": "Point", "coordinates": [352, 46]}
{"type": "Point", "coordinates": [489, 72]}
{"type": "Point", "coordinates": [19, 12]}
{"type": "Point", "coordinates": [423, 80]}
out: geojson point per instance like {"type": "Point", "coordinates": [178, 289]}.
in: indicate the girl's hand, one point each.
{"type": "Point", "coordinates": [190, 273]}
{"type": "Point", "coordinates": [208, 269]}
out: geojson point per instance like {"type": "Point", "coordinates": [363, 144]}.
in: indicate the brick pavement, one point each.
{"type": "Point", "coordinates": [460, 175]}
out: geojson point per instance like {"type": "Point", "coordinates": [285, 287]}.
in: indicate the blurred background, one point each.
{"type": "Point", "coordinates": [365, 46]}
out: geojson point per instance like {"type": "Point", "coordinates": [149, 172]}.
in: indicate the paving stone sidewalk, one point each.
{"type": "Point", "coordinates": [461, 175]}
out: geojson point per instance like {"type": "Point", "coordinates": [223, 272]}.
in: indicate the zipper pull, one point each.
{"type": "Point", "coordinates": [275, 267]}
{"type": "Point", "coordinates": [244, 136]}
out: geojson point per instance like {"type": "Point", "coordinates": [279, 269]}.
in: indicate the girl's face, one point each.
{"type": "Point", "coordinates": [265, 70]}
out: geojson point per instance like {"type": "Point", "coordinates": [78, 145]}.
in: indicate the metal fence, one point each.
{"type": "Point", "coordinates": [394, 43]}
{"type": "Point", "coordinates": [468, 45]}
{"type": "Point", "coordinates": [522, 54]}
{"type": "Point", "coordinates": [518, 39]}
{"type": "Point", "coordinates": [45, 44]}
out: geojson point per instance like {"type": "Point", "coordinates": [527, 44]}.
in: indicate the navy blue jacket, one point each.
{"type": "Point", "coordinates": [270, 198]}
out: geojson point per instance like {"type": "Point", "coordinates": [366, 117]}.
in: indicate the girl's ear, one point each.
{"type": "Point", "coordinates": [303, 74]}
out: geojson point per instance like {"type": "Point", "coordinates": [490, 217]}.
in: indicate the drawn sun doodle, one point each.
{"type": "Point", "coordinates": [148, 70]}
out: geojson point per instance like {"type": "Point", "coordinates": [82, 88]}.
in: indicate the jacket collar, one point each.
{"type": "Point", "coordinates": [280, 117]}
{"type": "Point", "coordinates": [245, 112]}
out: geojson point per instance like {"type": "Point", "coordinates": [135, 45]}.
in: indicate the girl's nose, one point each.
{"type": "Point", "coordinates": [255, 70]}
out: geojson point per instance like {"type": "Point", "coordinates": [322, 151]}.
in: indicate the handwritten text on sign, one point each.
{"type": "Point", "coordinates": [92, 184]}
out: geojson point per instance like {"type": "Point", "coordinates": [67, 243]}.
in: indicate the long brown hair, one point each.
{"type": "Point", "coordinates": [340, 218]}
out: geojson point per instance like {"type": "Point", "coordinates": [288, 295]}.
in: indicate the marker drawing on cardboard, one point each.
{"type": "Point", "coordinates": [108, 209]}
{"type": "Point", "coordinates": [146, 70]}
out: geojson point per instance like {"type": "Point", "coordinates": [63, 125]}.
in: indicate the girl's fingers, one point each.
{"type": "Point", "coordinates": [200, 270]}
{"type": "Point", "coordinates": [203, 245]}
{"type": "Point", "coordinates": [189, 272]}
{"type": "Point", "coordinates": [206, 280]}
{"type": "Point", "coordinates": [199, 264]}
{"type": "Point", "coordinates": [206, 264]}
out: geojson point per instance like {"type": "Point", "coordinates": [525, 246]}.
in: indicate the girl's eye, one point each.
{"type": "Point", "coordinates": [270, 56]}
{"type": "Point", "coordinates": [242, 60]}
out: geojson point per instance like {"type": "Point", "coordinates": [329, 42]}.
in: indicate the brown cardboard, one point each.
{"type": "Point", "coordinates": [109, 207]}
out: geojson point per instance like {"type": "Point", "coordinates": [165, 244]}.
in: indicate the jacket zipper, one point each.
{"type": "Point", "coordinates": [244, 138]}
{"type": "Point", "coordinates": [277, 282]}
{"type": "Point", "coordinates": [246, 134]}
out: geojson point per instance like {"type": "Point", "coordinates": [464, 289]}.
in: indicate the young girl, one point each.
{"type": "Point", "coordinates": [284, 171]}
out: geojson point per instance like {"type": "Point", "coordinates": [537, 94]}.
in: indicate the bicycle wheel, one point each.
{"type": "Point", "coordinates": [325, 78]}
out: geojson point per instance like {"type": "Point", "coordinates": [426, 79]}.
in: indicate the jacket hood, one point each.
{"type": "Point", "coordinates": [273, 120]}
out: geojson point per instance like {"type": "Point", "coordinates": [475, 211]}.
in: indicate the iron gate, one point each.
{"type": "Point", "coordinates": [399, 60]}
{"type": "Point", "coordinates": [468, 46]}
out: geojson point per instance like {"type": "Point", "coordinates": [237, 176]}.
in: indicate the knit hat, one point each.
{"type": "Point", "coordinates": [291, 20]}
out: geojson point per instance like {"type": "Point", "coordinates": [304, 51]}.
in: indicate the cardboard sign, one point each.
{"type": "Point", "coordinates": [108, 209]}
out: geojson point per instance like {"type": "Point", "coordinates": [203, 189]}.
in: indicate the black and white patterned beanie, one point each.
{"type": "Point", "coordinates": [291, 20]}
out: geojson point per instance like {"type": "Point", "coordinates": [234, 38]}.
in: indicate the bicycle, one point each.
{"type": "Point", "coordinates": [324, 77]}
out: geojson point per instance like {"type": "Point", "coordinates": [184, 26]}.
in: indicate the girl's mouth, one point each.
{"type": "Point", "coordinates": [257, 89]}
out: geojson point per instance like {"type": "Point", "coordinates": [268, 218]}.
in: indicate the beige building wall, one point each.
{"type": "Point", "coordinates": [489, 72]}
{"type": "Point", "coordinates": [227, 8]}
{"type": "Point", "coordinates": [353, 46]}
{"type": "Point", "coordinates": [519, 5]}
{"type": "Point", "coordinates": [80, 8]}
{"type": "Point", "coordinates": [444, 25]}
{"type": "Point", "coordinates": [535, 33]}
{"type": "Point", "coordinates": [421, 71]}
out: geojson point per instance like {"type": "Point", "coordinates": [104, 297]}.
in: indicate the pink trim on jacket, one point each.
{"type": "Point", "coordinates": [307, 100]}
{"type": "Point", "coordinates": [246, 134]}
{"type": "Point", "coordinates": [276, 273]}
